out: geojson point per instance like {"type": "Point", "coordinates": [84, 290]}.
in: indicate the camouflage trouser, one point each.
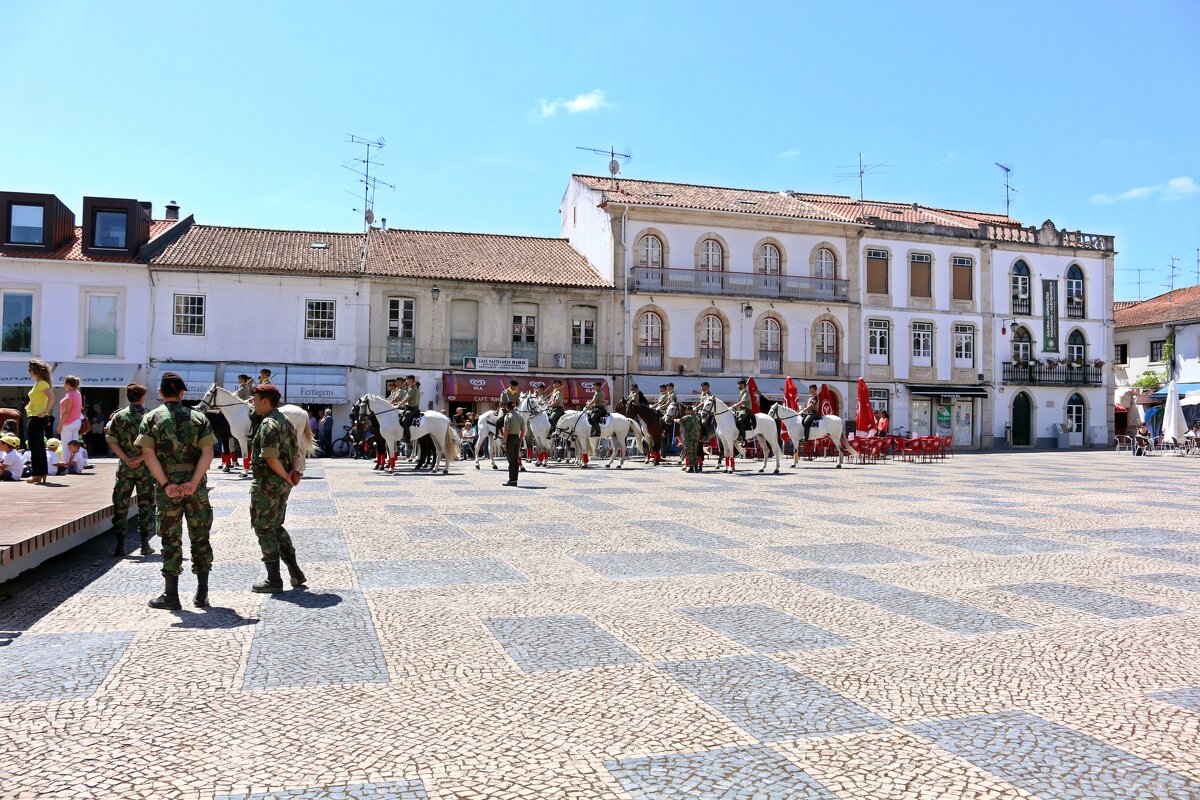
{"type": "Point", "coordinates": [692, 450]}
{"type": "Point", "coordinates": [129, 480]}
{"type": "Point", "coordinates": [171, 513]}
{"type": "Point", "coordinates": [268, 507]}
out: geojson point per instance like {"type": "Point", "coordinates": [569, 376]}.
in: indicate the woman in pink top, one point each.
{"type": "Point", "coordinates": [71, 408]}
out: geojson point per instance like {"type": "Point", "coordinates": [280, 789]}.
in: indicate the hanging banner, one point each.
{"type": "Point", "coordinates": [1049, 316]}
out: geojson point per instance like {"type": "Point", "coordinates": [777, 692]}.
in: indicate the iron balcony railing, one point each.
{"type": "Point", "coordinates": [770, 362]}
{"type": "Point", "coordinates": [1075, 308]}
{"type": "Point", "coordinates": [712, 360]}
{"type": "Point", "coordinates": [827, 364]}
{"type": "Point", "coordinates": [1058, 375]}
{"type": "Point", "coordinates": [742, 284]}
{"type": "Point", "coordinates": [583, 356]}
{"type": "Point", "coordinates": [463, 348]}
{"type": "Point", "coordinates": [401, 350]}
{"type": "Point", "coordinates": [526, 350]}
{"type": "Point", "coordinates": [650, 358]}
{"type": "Point", "coordinates": [1021, 305]}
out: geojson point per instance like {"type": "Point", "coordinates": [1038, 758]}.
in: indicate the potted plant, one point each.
{"type": "Point", "coordinates": [1051, 363]}
{"type": "Point", "coordinates": [1035, 362]}
{"type": "Point", "coordinates": [1098, 363]}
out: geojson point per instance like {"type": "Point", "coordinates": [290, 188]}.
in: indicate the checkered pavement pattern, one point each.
{"type": "Point", "coordinates": [995, 626]}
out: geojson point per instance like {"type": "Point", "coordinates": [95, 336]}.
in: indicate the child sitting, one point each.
{"type": "Point", "coordinates": [74, 461]}
{"type": "Point", "coordinates": [11, 463]}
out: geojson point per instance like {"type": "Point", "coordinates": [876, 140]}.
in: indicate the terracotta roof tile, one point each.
{"type": "Point", "coordinates": [72, 249]}
{"type": "Point", "coordinates": [1177, 305]}
{"type": "Point", "coordinates": [479, 257]}
{"type": "Point", "coordinates": [217, 247]}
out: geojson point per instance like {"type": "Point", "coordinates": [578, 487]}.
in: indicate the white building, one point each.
{"type": "Point", "coordinates": [1160, 336]}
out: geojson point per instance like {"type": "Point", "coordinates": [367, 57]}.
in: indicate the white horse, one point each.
{"type": "Point", "coordinates": [536, 421]}
{"type": "Point", "coordinates": [766, 433]}
{"type": "Point", "coordinates": [828, 425]}
{"type": "Point", "coordinates": [237, 413]}
{"type": "Point", "coordinates": [579, 428]}
{"type": "Point", "coordinates": [431, 423]}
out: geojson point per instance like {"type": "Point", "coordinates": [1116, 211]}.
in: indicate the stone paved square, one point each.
{"type": "Point", "coordinates": [965, 637]}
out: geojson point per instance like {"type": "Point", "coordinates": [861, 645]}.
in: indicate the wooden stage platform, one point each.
{"type": "Point", "coordinates": [40, 522]}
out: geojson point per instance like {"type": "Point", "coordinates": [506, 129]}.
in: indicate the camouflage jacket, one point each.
{"type": "Point", "coordinates": [276, 438]}
{"type": "Point", "coordinates": [123, 430]}
{"type": "Point", "coordinates": [178, 435]}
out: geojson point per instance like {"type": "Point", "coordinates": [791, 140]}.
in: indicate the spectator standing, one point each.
{"type": "Point", "coordinates": [71, 411]}
{"type": "Point", "coordinates": [325, 433]}
{"type": "Point", "coordinates": [41, 401]}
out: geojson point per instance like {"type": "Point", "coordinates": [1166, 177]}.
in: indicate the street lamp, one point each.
{"type": "Point", "coordinates": [435, 291]}
{"type": "Point", "coordinates": [747, 310]}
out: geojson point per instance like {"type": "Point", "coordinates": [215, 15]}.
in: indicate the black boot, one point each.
{"type": "Point", "coordinates": [169, 599]}
{"type": "Point", "coordinates": [119, 550]}
{"type": "Point", "coordinates": [273, 583]}
{"type": "Point", "coordinates": [294, 572]}
{"type": "Point", "coordinates": [147, 550]}
{"type": "Point", "coordinates": [201, 598]}
{"type": "Point", "coordinates": [595, 431]}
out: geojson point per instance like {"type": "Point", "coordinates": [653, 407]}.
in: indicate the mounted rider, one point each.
{"type": "Point", "coordinates": [669, 404]}
{"type": "Point", "coordinates": [554, 403]}
{"type": "Point", "coordinates": [741, 410]}
{"type": "Point", "coordinates": [705, 407]}
{"type": "Point", "coordinates": [407, 398]}
{"type": "Point", "coordinates": [595, 410]}
{"type": "Point", "coordinates": [512, 394]}
{"type": "Point", "coordinates": [811, 412]}
{"type": "Point", "coordinates": [636, 396]}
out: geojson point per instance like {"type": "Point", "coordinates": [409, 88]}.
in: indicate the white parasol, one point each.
{"type": "Point", "coordinates": [1174, 425]}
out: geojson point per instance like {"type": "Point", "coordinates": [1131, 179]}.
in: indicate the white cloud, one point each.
{"type": "Point", "coordinates": [589, 101]}
{"type": "Point", "coordinates": [1174, 189]}
{"type": "Point", "coordinates": [1105, 142]}
{"type": "Point", "coordinates": [789, 154]}
{"type": "Point", "coordinates": [949, 157]}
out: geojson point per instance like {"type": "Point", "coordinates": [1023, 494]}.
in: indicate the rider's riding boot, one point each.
{"type": "Point", "coordinates": [169, 599]}
{"type": "Point", "coordinates": [201, 598]}
{"type": "Point", "coordinates": [297, 577]}
{"type": "Point", "coordinates": [273, 583]}
{"type": "Point", "coordinates": [595, 431]}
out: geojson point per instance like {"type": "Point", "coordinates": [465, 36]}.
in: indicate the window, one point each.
{"type": "Point", "coordinates": [189, 315]}
{"type": "Point", "coordinates": [650, 350]}
{"type": "Point", "coordinates": [1022, 345]}
{"type": "Point", "coordinates": [109, 229]}
{"type": "Point", "coordinates": [770, 348]}
{"type": "Point", "coordinates": [583, 337]}
{"type": "Point", "coordinates": [16, 322]}
{"type": "Point", "coordinates": [878, 341]}
{"type": "Point", "coordinates": [922, 344]}
{"type": "Point", "coordinates": [524, 329]}
{"type": "Point", "coordinates": [712, 257]}
{"type": "Point", "coordinates": [1076, 347]}
{"type": "Point", "coordinates": [318, 319]}
{"type": "Point", "coordinates": [583, 332]}
{"type": "Point", "coordinates": [1156, 350]}
{"type": "Point", "coordinates": [102, 328]}
{"type": "Point", "coordinates": [524, 332]}
{"type": "Point", "coordinates": [1122, 353]}
{"type": "Point", "coordinates": [649, 251]}
{"type": "Point", "coordinates": [964, 346]}
{"type": "Point", "coordinates": [877, 271]}
{"type": "Point", "coordinates": [1020, 288]}
{"type": "Point", "coordinates": [1075, 299]}
{"type": "Point", "coordinates": [1076, 413]}
{"type": "Point", "coordinates": [880, 399]}
{"type": "Point", "coordinates": [963, 285]}
{"type": "Point", "coordinates": [464, 330]}
{"type": "Point", "coordinates": [26, 224]}
{"type": "Point", "coordinates": [768, 260]}
{"type": "Point", "coordinates": [824, 266]}
{"type": "Point", "coordinates": [401, 346]}
{"type": "Point", "coordinates": [827, 348]}
{"type": "Point", "coordinates": [920, 275]}
{"type": "Point", "coordinates": [712, 344]}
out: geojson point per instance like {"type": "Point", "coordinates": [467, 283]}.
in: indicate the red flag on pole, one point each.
{"type": "Point", "coordinates": [752, 387]}
{"type": "Point", "coordinates": [791, 397]}
{"type": "Point", "coordinates": [866, 415]}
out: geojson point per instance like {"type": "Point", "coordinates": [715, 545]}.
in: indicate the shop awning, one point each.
{"type": "Point", "coordinates": [580, 390]}
{"type": "Point", "coordinates": [485, 387]}
{"type": "Point", "coordinates": [197, 375]}
{"type": "Point", "coordinates": [687, 387]}
{"type": "Point", "coordinates": [1182, 388]}
{"type": "Point", "coordinates": [946, 390]}
{"type": "Point", "coordinates": [15, 372]}
{"type": "Point", "coordinates": [316, 384]}
{"type": "Point", "coordinates": [1120, 409]}
{"type": "Point", "coordinates": [96, 375]}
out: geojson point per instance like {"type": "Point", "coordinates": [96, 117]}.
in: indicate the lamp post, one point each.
{"type": "Point", "coordinates": [435, 292]}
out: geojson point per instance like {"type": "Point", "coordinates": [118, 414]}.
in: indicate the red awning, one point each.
{"type": "Point", "coordinates": [485, 387]}
{"type": "Point", "coordinates": [1120, 408]}
{"type": "Point", "coordinates": [580, 390]}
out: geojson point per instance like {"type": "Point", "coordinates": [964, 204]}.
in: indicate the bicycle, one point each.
{"type": "Point", "coordinates": [342, 447]}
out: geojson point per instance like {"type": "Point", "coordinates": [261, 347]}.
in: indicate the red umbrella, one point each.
{"type": "Point", "coordinates": [827, 401]}
{"type": "Point", "coordinates": [866, 415]}
{"type": "Point", "coordinates": [752, 387]}
{"type": "Point", "coordinates": [791, 397]}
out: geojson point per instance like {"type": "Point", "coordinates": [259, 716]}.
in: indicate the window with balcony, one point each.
{"type": "Point", "coordinates": [881, 400]}
{"type": "Point", "coordinates": [920, 275]}
{"type": "Point", "coordinates": [827, 348]}
{"type": "Point", "coordinates": [189, 315]}
{"type": "Point", "coordinates": [649, 251]}
{"type": "Point", "coordinates": [319, 319]}
{"type": "Point", "coordinates": [650, 342]}
{"type": "Point", "coordinates": [712, 344]}
{"type": "Point", "coordinates": [879, 341]}
{"type": "Point", "coordinates": [825, 265]}
{"type": "Point", "coordinates": [769, 260]}
{"type": "Point", "coordinates": [401, 341]}
{"type": "Point", "coordinates": [103, 325]}
{"type": "Point", "coordinates": [922, 344]}
{"type": "Point", "coordinates": [1076, 413]}
{"type": "Point", "coordinates": [1076, 348]}
{"type": "Point", "coordinates": [109, 229]}
{"type": "Point", "coordinates": [964, 346]}
{"type": "Point", "coordinates": [583, 337]}
{"type": "Point", "coordinates": [1121, 353]}
{"type": "Point", "coordinates": [464, 331]}
{"type": "Point", "coordinates": [877, 271]}
{"type": "Point", "coordinates": [16, 322]}
{"type": "Point", "coordinates": [26, 224]}
{"type": "Point", "coordinates": [1022, 346]}
{"type": "Point", "coordinates": [963, 278]}
{"type": "Point", "coordinates": [1075, 295]}
{"type": "Point", "coordinates": [1156, 350]}
{"type": "Point", "coordinates": [770, 348]}
{"type": "Point", "coordinates": [712, 261]}
{"type": "Point", "coordinates": [524, 332]}
{"type": "Point", "coordinates": [1020, 288]}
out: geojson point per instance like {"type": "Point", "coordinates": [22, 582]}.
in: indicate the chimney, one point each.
{"type": "Point", "coordinates": [172, 210]}
{"type": "Point", "coordinates": [385, 223]}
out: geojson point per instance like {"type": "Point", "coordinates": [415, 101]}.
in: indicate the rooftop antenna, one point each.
{"type": "Point", "coordinates": [364, 173]}
{"type": "Point", "coordinates": [615, 158]}
{"type": "Point", "coordinates": [1008, 190]}
{"type": "Point", "coordinates": [1174, 268]}
{"type": "Point", "coordinates": [859, 171]}
{"type": "Point", "coordinates": [1139, 272]}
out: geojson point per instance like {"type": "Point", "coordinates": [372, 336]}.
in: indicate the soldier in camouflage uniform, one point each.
{"type": "Point", "coordinates": [272, 463]}
{"type": "Point", "coordinates": [177, 445]}
{"type": "Point", "coordinates": [689, 426]}
{"type": "Point", "coordinates": [132, 473]}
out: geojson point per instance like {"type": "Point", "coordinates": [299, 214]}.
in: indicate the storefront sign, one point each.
{"type": "Point", "coordinates": [15, 372]}
{"type": "Point", "coordinates": [96, 375]}
{"type": "Point", "coordinates": [1049, 316]}
{"type": "Point", "coordinates": [496, 364]}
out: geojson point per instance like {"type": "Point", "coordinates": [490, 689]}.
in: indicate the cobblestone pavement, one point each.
{"type": "Point", "coordinates": [992, 626]}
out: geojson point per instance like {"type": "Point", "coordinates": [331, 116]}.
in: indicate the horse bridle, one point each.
{"type": "Point", "coordinates": [214, 406]}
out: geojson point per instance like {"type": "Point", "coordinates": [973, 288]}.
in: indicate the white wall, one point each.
{"type": "Point", "coordinates": [587, 227]}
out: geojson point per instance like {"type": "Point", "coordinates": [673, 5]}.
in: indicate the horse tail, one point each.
{"type": "Point", "coordinates": [308, 444]}
{"type": "Point", "coordinates": [453, 444]}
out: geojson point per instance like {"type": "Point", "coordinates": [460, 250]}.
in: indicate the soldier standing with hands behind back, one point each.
{"type": "Point", "coordinates": [177, 445]}
{"type": "Point", "coordinates": [132, 473]}
{"type": "Point", "coordinates": [273, 461]}
{"type": "Point", "coordinates": [514, 432]}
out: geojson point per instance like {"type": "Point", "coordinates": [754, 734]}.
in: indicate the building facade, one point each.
{"type": "Point", "coordinates": [1160, 336]}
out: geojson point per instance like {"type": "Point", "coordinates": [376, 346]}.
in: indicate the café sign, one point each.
{"type": "Point", "coordinates": [496, 364]}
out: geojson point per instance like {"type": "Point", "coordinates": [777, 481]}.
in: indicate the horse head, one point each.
{"type": "Point", "coordinates": [209, 400]}
{"type": "Point", "coordinates": [774, 412]}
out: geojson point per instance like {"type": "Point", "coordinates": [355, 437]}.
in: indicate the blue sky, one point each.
{"type": "Point", "coordinates": [239, 111]}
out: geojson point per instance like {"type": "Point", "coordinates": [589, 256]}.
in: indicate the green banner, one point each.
{"type": "Point", "coordinates": [1049, 316]}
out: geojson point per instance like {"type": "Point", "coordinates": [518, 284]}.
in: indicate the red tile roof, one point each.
{"type": "Point", "coordinates": [72, 249]}
{"type": "Point", "coordinates": [827, 207]}
{"type": "Point", "coordinates": [1173, 306]}
{"type": "Point", "coordinates": [222, 248]}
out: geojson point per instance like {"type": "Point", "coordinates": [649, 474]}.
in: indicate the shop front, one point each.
{"type": "Point", "coordinates": [102, 385]}
{"type": "Point", "coordinates": [15, 383]}
{"type": "Point", "coordinates": [480, 391]}
{"type": "Point", "coordinates": [198, 375]}
{"type": "Point", "coordinates": [937, 410]}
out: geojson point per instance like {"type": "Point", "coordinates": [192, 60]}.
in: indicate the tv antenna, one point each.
{"type": "Point", "coordinates": [615, 158]}
{"type": "Point", "coordinates": [364, 172]}
{"type": "Point", "coordinates": [1174, 268]}
{"type": "Point", "coordinates": [1139, 272]}
{"type": "Point", "coordinates": [859, 171]}
{"type": "Point", "coordinates": [1008, 189]}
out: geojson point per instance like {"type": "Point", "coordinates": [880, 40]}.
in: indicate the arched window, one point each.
{"type": "Point", "coordinates": [650, 349]}
{"type": "Point", "coordinates": [1075, 299]}
{"type": "Point", "coordinates": [827, 348]}
{"type": "Point", "coordinates": [1022, 348]}
{"type": "Point", "coordinates": [712, 257]}
{"type": "Point", "coordinates": [770, 348]}
{"type": "Point", "coordinates": [768, 259]}
{"type": "Point", "coordinates": [1020, 288]}
{"type": "Point", "coordinates": [825, 265]}
{"type": "Point", "coordinates": [649, 251]}
{"type": "Point", "coordinates": [1076, 413]}
{"type": "Point", "coordinates": [712, 344]}
{"type": "Point", "coordinates": [1076, 347]}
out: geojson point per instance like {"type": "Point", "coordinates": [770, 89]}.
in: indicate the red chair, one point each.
{"type": "Point", "coordinates": [911, 449]}
{"type": "Point", "coordinates": [947, 446]}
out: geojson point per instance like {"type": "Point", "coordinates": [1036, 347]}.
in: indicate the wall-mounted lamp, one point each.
{"type": "Point", "coordinates": [747, 310]}
{"type": "Point", "coordinates": [1004, 327]}
{"type": "Point", "coordinates": [435, 292]}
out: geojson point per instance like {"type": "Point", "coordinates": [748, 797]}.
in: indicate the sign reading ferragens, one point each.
{"type": "Point", "coordinates": [496, 364]}
{"type": "Point", "coordinates": [1049, 316]}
